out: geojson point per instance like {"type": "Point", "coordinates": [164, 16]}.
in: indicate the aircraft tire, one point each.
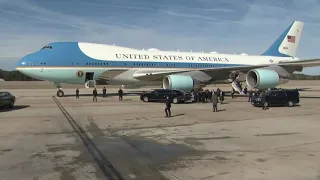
{"type": "Point", "coordinates": [60, 93]}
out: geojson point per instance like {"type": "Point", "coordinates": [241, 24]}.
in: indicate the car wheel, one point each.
{"type": "Point", "coordinates": [266, 104]}
{"type": "Point", "coordinates": [252, 102]}
{"type": "Point", "coordinates": [175, 101]}
{"type": "Point", "coordinates": [290, 103]}
{"type": "Point", "coordinates": [145, 99]}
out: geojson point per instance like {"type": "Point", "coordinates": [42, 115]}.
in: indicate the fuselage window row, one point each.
{"type": "Point", "coordinates": [134, 64]}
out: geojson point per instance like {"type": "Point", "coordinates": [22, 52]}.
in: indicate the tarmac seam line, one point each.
{"type": "Point", "coordinates": [106, 167]}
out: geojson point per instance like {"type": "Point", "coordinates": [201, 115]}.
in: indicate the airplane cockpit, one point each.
{"type": "Point", "coordinates": [47, 47]}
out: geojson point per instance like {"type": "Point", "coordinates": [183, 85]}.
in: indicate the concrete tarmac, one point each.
{"type": "Point", "coordinates": [47, 137]}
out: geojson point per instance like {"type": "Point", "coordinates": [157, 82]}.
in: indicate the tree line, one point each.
{"type": "Point", "coordinates": [18, 76]}
{"type": "Point", "coordinates": [15, 76]}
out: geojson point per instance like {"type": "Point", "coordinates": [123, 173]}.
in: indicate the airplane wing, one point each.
{"type": "Point", "coordinates": [301, 63]}
{"type": "Point", "coordinates": [158, 75]}
{"type": "Point", "coordinates": [155, 75]}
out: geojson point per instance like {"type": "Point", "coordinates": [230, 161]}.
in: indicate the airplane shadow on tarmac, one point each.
{"type": "Point", "coordinates": [17, 107]}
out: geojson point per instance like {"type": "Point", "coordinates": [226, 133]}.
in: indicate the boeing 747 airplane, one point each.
{"type": "Point", "coordinates": [90, 63]}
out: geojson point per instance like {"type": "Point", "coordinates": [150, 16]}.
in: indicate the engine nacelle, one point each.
{"type": "Point", "coordinates": [264, 78]}
{"type": "Point", "coordinates": [182, 82]}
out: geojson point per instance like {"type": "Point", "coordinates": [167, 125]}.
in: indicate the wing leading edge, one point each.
{"type": "Point", "coordinates": [155, 75]}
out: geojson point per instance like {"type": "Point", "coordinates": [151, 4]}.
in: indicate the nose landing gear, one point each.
{"type": "Point", "coordinates": [60, 93]}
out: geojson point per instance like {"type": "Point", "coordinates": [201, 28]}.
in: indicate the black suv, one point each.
{"type": "Point", "coordinates": [278, 97]}
{"type": "Point", "coordinates": [159, 95]}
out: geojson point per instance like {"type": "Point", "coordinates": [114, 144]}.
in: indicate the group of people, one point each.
{"type": "Point", "coordinates": [205, 96]}
{"type": "Point", "coordinates": [104, 94]}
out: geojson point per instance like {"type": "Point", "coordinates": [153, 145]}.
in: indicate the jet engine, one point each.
{"type": "Point", "coordinates": [182, 82]}
{"type": "Point", "coordinates": [264, 78]}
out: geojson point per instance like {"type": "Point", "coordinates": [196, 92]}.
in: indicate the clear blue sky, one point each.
{"type": "Point", "coordinates": [225, 26]}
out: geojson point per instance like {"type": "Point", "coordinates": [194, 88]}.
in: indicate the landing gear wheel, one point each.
{"type": "Point", "coordinates": [145, 99]}
{"type": "Point", "coordinates": [290, 103]}
{"type": "Point", "coordinates": [175, 101]}
{"type": "Point", "coordinates": [60, 93]}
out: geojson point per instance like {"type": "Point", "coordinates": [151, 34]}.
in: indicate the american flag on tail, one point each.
{"type": "Point", "coordinates": [291, 39]}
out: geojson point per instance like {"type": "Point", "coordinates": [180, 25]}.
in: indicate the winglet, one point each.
{"type": "Point", "coordinates": [286, 45]}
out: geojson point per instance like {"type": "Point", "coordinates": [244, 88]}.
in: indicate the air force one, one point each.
{"type": "Point", "coordinates": [91, 64]}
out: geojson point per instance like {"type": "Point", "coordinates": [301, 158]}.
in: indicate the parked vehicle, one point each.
{"type": "Point", "coordinates": [159, 95]}
{"type": "Point", "coordinates": [278, 97]}
{"type": "Point", "coordinates": [7, 99]}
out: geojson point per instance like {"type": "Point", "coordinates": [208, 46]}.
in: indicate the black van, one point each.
{"type": "Point", "coordinates": [278, 97]}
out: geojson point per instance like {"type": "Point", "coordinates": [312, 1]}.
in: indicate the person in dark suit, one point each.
{"type": "Point", "coordinates": [77, 93]}
{"type": "Point", "coordinates": [120, 93]}
{"type": "Point", "coordinates": [95, 94]}
{"type": "Point", "coordinates": [104, 92]}
{"type": "Point", "coordinates": [168, 107]}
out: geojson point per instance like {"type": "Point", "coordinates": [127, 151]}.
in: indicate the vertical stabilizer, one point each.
{"type": "Point", "coordinates": [286, 45]}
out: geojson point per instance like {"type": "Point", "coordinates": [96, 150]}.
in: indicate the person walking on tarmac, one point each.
{"type": "Point", "coordinates": [120, 93]}
{"type": "Point", "coordinates": [167, 110]}
{"type": "Point", "coordinates": [77, 93]}
{"type": "Point", "coordinates": [104, 92]}
{"type": "Point", "coordinates": [214, 101]}
{"type": "Point", "coordinates": [95, 94]}
{"type": "Point", "coordinates": [221, 97]}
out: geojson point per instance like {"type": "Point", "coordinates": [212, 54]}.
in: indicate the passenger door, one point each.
{"type": "Point", "coordinates": [160, 95]}
{"type": "Point", "coordinates": [278, 98]}
{"type": "Point", "coordinates": [282, 98]}
{"type": "Point", "coordinates": [154, 95]}
{"type": "Point", "coordinates": [272, 98]}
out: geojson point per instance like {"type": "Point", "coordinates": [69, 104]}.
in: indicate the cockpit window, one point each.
{"type": "Point", "coordinates": [47, 47]}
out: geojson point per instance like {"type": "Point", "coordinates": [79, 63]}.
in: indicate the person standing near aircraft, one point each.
{"type": "Point", "coordinates": [221, 97]}
{"type": "Point", "coordinates": [167, 110]}
{"type": "Point", "coordinates": [77, 93]}
{"type": "Point", "coordinates": [214, 101]}
{"type": "Point", "coordinates": [95, 94]}
{"type": "Point", "coordinates": [250, 96]}
{"type": "Point", "coordinates": [120, 93]}
{"type": "Point", "coordinates": [104, 92]}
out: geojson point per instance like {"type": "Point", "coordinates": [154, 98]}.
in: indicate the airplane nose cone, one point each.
{"type": "Point", "coordinates": [24, 61]}
{"type": "Point", "coordinates": [21, 62]}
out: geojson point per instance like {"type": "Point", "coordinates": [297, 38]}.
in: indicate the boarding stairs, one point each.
{"type": "Point", "coordinates": [90, 84]}
{"type": "Point", "coordinates": [236, 86]}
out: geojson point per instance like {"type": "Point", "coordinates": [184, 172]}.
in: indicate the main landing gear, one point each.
{"type": "Point", "coordinates": [60, 93]}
